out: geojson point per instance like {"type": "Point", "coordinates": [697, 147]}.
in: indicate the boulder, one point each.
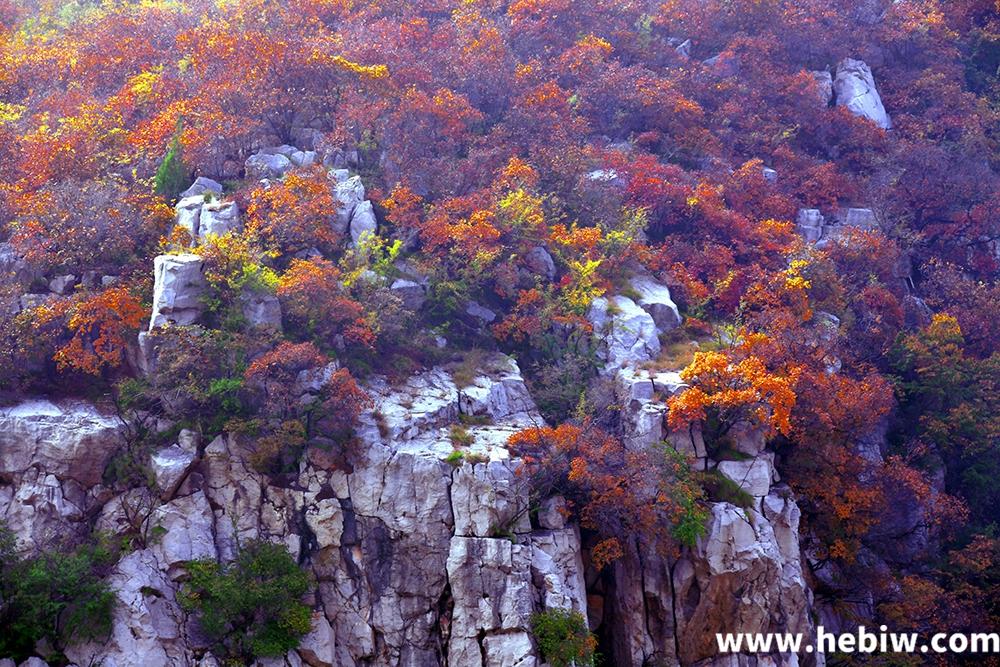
{"type": "Point", "coordinates": [684, 49]}
{"type": "Point", "coordinates": [753, 475]}
{"type": "Point", "coordinates": [177, 290]}
{"type": "Point", "coordinates": [267, 165]}
{"type": "Point", "coordinates": [68, 439]}
{"type": "Point", "coordinates": [303, 158]}
{"type": "Point", "coordinates": [855, 89]}
{"type": "Point", "coordinates": [480, 312]}
{"type": "Point", "coordinates": [218, 218]}
{"type": "Point", "coordinates": [412, 294]}
{"type": "Point", "coordinates": [200, 186]}
{"type": "Point", "coordinates": [169, 466]}
{"type": "Point", "coordinates": [187, 214]}
{"type": "Point", "coordinates": [261, 310]}
{"type": "Point", "coordinates": [770, 175]}
{"type": "Point", "coordinates": [349, 193]}
{"type": "Point", "coordinates": [809, 223]}
{"type": "Point", "coordinates": [655, 299]}
{"type": "Point", "coordinates": [859, 218]}
{"type": "Point", "coordinates": [539, 261]}
{"type": "Point", "coordinates": [628, 332]}
{"type": "Point", "coordinates": [363, 222]}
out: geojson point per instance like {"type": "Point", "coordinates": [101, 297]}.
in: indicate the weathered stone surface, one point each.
{"type": "Point", "coordinates": [41, 509]}
{"type": "Point", "coordinates": [363, 222]}
{"type": "Point", "coordinates": [200, 186]}
{"type": "Point", "coordinates": [218, 218]}
{"type": "Point", "coordinates": [629, 333]}
{"type": "Point", "coordinates": [148, 625]}
{"type": "Point", "coordinates": [480, 312]}
{"type": "Point", "coordinates": [539, 261]}
{"type": "Point", "coordinates": [499, 393]}
{"type": "Point", "coordinates": [411, 293]}
{"type": "Point", "coordinates": [742, 577]}
{"type": "Point", "coordinates": [489, 499]}
{"type": "Point", "coordinates": [264, 165]}
{"type": "Point", "coordinates": [62, 284]}
{"type": "Point", "coordinates": [855, 89]}
{"type": "Point", "coordinates": [557, 569]}
{"type": "Point", "coordinates": [492, 593]}
{"type": "Point", "coordinates": [187, 531]}
{"type": "Point", "coordinates": [188, 214]}
{"type": "Point", "coordinates": [261, 310]}
{"type": "Point", "coordinates": [177, 289]}
{"type": "Point", "coordinates": [809, 223]}
{"type": "Point", "coordinates": [859, 218]}
{"type": "Point", "coordinates": [68, 439]}
{"type": "Point", "coordinates": [753, 475]}
{"type": "Point", "coordinates": [169, 466]}
{"type": "Point", "coordinates": [349, 193]}
{"type": "Point", "coordinates": [655, 299]}
{"type": "Point", "coordinates": [317, 648]}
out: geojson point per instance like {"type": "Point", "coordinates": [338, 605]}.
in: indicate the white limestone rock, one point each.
{"type": "Point", "coordinates": [267, 165]}
{"type": "Point", "coordinates": [349, 193]}
{"type": "Point", "coordinates": [488, 499]}
{"type": "Point", "coordinates": [261, 310]}
{"type": "Point", "coordinates": [187, 214]}
{"type": "Point", "coordinates": [200, 186]}
{"type": "Point", "coordinates": [218, 218]}
{"type": "Point", "coordinates": [855, 89]}
{"type": "Point", "coordinates": [628, 332]}
{"type": "Point", "coordinates": [411, 293]}
{"type": "Point", "coordinates": [539, 261]}
{"type": "Point", "coordinates": [753, 474]}
{"type": "Point", "coordinates": [655, 299]}
{"type": "Point", "coordinates": [363, 222]}
{"type": "Point", "coordinates": [68, 439]}
{"type": "Point", "coordinates": [177, 289]}
{"type": "Point", "coordinates": [169, 466]}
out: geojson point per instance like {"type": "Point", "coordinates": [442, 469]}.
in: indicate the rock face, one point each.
{"type": "Point", "coordinates": [202, 185]}
{"type": "Point", "coordinates": [655, 299]}
{"type": "Point", "coordinates": [628, 332]}
{"type": "Point", "coordinates": [363, 223]}
{"type": "Point", "coordinates": [70, 439]}
{"type": "Point", "coordinates": [217, 218]}
{"type": "Point", "coordinates": [855, 89]}
{"type": "Point", "coordinates": [177, 289]}
{"type": "Point", "coordinates": [744, 576]}
{"type": "Point", "coordinates": [349, 192]}
{"type": "Point", "coordinates": [418, 559]}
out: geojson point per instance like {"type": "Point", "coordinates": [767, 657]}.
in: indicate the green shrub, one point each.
{"type": "Point", "coordinates": [460, 436]}
{"type": "Point", "coordinates": [252, 607]}
{"type": "Point", "coordinates": [53, 599]}
{"type": "Point", "coordinates": [456, 458]}
{"type": "Point", "coordinates": [173, 174]}
{"type": "Point", "coordinates": [564, 638]}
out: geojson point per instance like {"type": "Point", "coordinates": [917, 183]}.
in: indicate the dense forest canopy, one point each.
{"type": "Point", "coordinates": [681, 138]}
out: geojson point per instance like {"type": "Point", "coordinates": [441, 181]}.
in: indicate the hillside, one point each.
{"type": "Point", "coordinates": [496, 334]}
